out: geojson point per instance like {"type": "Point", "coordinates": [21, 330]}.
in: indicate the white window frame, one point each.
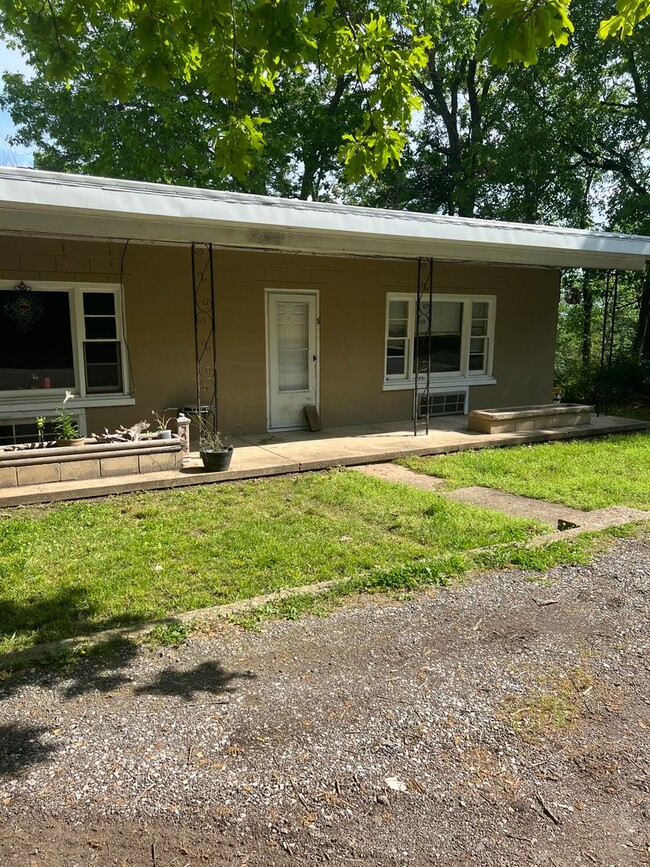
{"type": "Point", "coordinates": [20, 404]}
{"type": "Point", "coordinates": [465, 376]}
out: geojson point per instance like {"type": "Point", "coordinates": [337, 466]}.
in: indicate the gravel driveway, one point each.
{"type": "Point", "coordinates": [502, 722]}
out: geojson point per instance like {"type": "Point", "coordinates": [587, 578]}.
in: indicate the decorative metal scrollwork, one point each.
{"type": "Point", "coordinates": [24, 308]}
{"type": "Point", "coordinates": [205, 343]}
{"type": "Point", "coordinates": [422, 349]}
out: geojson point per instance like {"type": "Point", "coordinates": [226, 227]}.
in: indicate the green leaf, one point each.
{"type": "Point", "coordinates": [629, 14]}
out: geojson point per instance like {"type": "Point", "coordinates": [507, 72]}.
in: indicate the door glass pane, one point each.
{"type": "Point", "coordinates": [293, 345]}
{"type": "Point", "coordinates": [35, 340]}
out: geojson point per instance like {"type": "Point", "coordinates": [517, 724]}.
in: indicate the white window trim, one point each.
{"type": "Point", "coordinates": [19, 404]}
{"type": "Point", "coordinates": [465, 377]}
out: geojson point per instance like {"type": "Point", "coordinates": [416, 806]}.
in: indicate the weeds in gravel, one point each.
{"type": "Point", "coordinates": [578, 551]}
{"type": "Point", "coordinates": [291, 608]}
{"type": "Point", "coordinates": [398, 580]}
{"type": "Point", "coordinates": [585, 474]}
{"type": "Point", "coordinates": [555, 704]}
{"type": "Point", "coordinates": [168, 634]}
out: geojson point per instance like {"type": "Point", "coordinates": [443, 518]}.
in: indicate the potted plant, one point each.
{"type": "Point", "coordinates": [162, 431]}
{"type": "Point", "coordinates": [66, 426]}
{"type": "Point", "coordinates": [214, 452]}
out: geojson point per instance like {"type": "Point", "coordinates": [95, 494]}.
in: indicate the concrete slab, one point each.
{"type": "Point", "coordinates": [269, 454]}
{"type": "Point", "coordinates": [401, 475]}
{"type": "Point", "coordinates": [560, 517]}
{"type": "Point", "coordinates": [517, 506]}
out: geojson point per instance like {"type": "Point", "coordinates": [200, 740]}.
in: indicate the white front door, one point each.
{"type": "Point", "coordinates": [292, 358]}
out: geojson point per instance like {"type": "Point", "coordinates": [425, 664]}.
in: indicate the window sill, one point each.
{"type": "Point", "coordinates": [35, 399]}
{"type": "Point", "coordinates": [441, 384]}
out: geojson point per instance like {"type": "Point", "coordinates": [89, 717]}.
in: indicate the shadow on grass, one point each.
{"type": "Point", "coordinates": [68, 613]}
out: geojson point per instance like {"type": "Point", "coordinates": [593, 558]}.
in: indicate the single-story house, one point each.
{"type": "Point", "coordinates": [134, 295]}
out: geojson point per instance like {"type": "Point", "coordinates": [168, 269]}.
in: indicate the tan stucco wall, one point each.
{"type": "Point", "coordinates": [159, 318]}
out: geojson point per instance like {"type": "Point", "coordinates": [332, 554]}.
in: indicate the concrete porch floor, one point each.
{"type": "Point", "coordinates": [271, 454]}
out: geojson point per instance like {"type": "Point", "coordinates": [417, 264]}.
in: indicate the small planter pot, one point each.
{"type": "Point", "coordinates": [164, 434]}
{"type": "Point", "coordinates": [216, 460]}
{"type": "Point", "coordinates": [77, 441]}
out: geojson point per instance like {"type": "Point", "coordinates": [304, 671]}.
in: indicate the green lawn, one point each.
{"type": "Point", "coordinates": [74, 568]}
{"type": "Point", "coordinates": [586, 474]}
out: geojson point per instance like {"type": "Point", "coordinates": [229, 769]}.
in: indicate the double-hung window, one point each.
{"type": "Point", "coordinates": [457, 349]}
{"type": "Point", "coordinates": [56, 337]}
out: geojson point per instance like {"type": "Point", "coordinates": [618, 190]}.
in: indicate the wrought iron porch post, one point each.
{"type": "Point", "coordinates": [205, 342]}
{"type": "Point", "coordinates": [423, 329]}
{"type": "Point", "coordinates": [607, 343]}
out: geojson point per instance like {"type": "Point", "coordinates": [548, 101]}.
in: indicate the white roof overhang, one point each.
{"type": "Point", "coordinates": [48, 203]}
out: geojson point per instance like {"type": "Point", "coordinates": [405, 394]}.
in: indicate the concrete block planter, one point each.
{"type": "Point", "coordinates": [94, 460]}
{"type": "Point", "coordinates": [528, 418]}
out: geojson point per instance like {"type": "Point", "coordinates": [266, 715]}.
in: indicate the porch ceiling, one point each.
{"type": "Point", "coordinates": [49, 203]}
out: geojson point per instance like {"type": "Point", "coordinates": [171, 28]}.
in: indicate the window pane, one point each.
{"type": "Point", "coordinates": [444, 353]}
{"type": "Point", "coordinates": [442, 349]}
{"type": "Point", "coordinates": [396, 358]}
{"type": "Point", "coordinates": [398, 328]}
{"type": "Point", "coordinates": [447, 317]}
{"type": "Point", "coordinates": [99, 304]}
{"type": "Point", "coordinates": [399, 310]}
{"type": "Point", "coordinates": [395, 365]}
{"type": "Point", "coordinates": [35, 340]}
{"type": "Point", "coordinates": [103, 367]}
{"type": "Point", "coordinates": [476, 362]}
{"type": "Point", "coordinates": [478, 344]}
{"type": "Point", "coordinates": [100, 328]}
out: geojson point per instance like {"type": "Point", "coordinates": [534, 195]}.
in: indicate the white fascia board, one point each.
{"type": "Point", "coordinates": [51, 203]}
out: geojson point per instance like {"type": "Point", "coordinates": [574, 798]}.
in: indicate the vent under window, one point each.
{"type": "Point", "coordinates": [448, 403]}
{"type": "Point", "coordinates": [14, 432]}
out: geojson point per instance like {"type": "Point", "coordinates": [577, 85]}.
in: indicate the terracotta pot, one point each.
{"type": "Point", "coordinates": [77, 441]}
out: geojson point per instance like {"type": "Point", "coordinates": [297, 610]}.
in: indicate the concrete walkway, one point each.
{"type": "Point", "coordinates": [563, 518]}
{"type": "Point", "coordinates": [269, 454]}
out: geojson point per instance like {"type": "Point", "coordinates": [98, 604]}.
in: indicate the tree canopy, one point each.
{"type": "Point", "coordinates": [230, 48]}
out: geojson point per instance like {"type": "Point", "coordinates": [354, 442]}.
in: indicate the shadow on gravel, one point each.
{"type": "Point", "coordinates": [104, 668]}
{"type": "Point", "coordinates": [21, 746]}
{"type": "Point", "coordinates": [100, 668]}
{"type": "Point", "coordinates": [207, 677]}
